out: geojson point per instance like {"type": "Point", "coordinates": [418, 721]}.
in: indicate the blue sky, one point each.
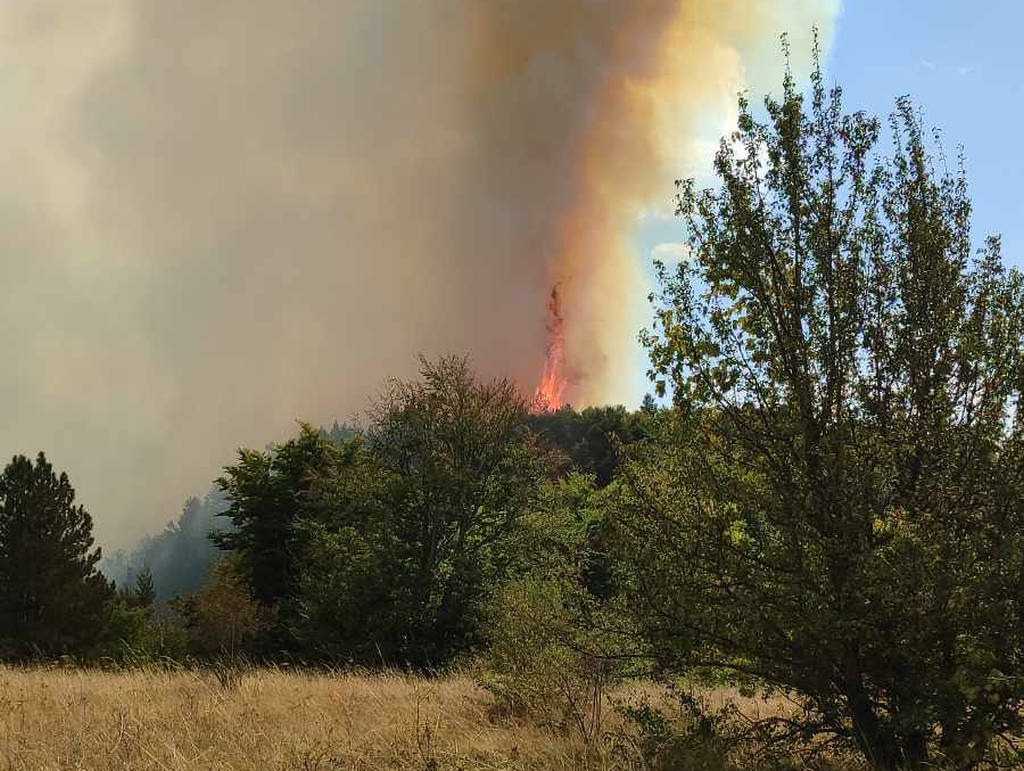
{"type": "Point", "coordinates": [960, 61]}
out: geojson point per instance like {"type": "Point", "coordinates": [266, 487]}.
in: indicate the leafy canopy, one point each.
{"type": "Point", "coordinates": [835, 507]}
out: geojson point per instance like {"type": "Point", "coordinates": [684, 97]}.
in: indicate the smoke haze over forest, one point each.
{"type": "Point", "coordinates": [220, 218]}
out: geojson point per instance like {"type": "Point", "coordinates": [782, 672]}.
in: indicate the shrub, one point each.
{"type": "Point", "coordinates": [554, 644]}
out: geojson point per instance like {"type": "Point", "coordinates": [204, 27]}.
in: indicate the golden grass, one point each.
{"type": "Point", "coordinates": [268, 719]}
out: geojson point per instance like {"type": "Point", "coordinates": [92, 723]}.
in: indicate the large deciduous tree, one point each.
{"type": "Point", "coordinates": [836, 506]}
{"type": "Point", "coordinates": [53, 600]}
{"type": "Point", "coordinates": [382, 546]}
{"type": "Point", "coordinates": [423, 519]}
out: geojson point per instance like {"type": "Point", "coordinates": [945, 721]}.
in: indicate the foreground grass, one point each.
{"type": "Point", "coordinates": [267, 719]}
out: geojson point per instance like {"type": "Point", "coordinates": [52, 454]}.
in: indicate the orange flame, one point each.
{"type": "Point", "coordinates": [550, 394]}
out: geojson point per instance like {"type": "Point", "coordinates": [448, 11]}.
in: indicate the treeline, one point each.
{"type": "Point", "coordinates": [376, 546]}
{"type": "Point", "coordinates": [180, 557]}
{"type": "Point", "coordinates": [829, 508]}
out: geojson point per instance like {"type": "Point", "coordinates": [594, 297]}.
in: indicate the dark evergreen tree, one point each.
{"type": "Point", "coordinates": [591, 439]}
{"type": "Point", "coordinates": [145, 590]}
{"type": "Point", "coordinates": [53, 600]}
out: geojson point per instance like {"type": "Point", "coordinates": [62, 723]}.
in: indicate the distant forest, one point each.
{"type": "Point", "coordinates": [179, 558]}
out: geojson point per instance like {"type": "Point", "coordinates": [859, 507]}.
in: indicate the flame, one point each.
{"type": "Point", "coordinates": [654, 111]}
{"type": "Point", "coordinates": [550, 394]}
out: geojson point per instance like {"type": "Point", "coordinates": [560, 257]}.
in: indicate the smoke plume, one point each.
{"type": "Point", "coordinates": [221, 217]}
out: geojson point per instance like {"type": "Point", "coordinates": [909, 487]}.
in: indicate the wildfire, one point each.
{"type": "Point", "coordinates": [550, 394]}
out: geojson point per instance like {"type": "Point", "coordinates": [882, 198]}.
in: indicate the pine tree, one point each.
{"type": "Point", "coordinates": [53, 599]}
{"type": "Point", "coordinates": [145, 591]}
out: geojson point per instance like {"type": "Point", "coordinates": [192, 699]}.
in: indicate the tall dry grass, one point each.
{"type": "Point", "coordinates": [267, 719]}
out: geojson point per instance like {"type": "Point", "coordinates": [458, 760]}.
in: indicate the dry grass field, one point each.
{"type": "Point", "coordinates": [90, 719]}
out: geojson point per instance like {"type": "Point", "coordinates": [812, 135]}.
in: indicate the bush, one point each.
{"type": "Point", "coordinates": [689, 736]}
{"type": "Point", "coordinates": [553, 642]}
{"type": "Point", "coordinates": [223, 620]}
{"type": "Point", "coordinates": [535, 669]}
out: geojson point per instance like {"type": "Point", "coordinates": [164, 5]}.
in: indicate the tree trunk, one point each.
{"type": "Point", "coordinates": [877, 746]}
{"type": "Point", "coordinates": [914, 751]}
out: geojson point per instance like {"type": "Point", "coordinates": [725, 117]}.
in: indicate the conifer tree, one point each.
{"type": "Point", "coordinates": [53, 599]}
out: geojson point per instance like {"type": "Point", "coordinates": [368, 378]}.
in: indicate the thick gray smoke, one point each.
{"type": "Point", "coordinates": [221, 217]}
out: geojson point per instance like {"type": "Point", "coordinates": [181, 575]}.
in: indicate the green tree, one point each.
{"type": "Point", "coordinates": [135, 632]}
{"type": "Point", "coordinates": [347, 610]}
{"type": "Point", "coordinates": [415, 527]}
{"type": "Point", "coordinates": [145, 591]}
{"type": "Point", "coordinates": [267, 492]}
{"type": "Point", "coordinates": [556, 637]}
{"type": "Point", "coordinates": [53, 600]}
{"type": "Point", "coordinates": [223, 619]}
{"type": "Point", "coordinates": [835, 506]}
{"type": "Point", "coordinates": [591, 439]}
